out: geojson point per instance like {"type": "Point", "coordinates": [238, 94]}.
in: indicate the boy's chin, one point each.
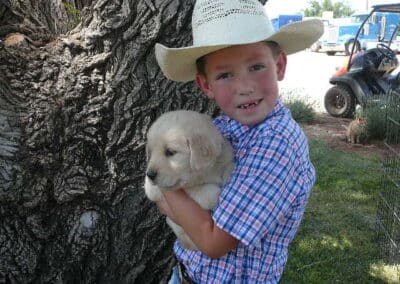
{"type": "Point", "coordinates": [252, 118]}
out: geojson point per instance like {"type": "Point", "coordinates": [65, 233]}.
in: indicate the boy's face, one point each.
{"type": "Point", "coordinates": [243, 80]}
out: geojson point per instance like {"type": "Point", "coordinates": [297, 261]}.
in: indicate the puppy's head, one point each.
{"type": "Point", "coordinates": [179, 147]}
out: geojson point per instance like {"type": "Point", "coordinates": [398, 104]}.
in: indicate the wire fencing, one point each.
{"type": "Point", "coordinates": [388, 207]}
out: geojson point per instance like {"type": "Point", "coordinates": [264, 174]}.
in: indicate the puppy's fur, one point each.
{"type": "Point", "coordinates": [185, 150]}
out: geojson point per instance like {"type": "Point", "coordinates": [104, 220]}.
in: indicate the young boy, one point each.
{"type": "Point", "coordinates": [237, 60]}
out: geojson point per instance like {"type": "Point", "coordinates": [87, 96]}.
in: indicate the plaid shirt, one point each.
{"type": "Point", "coordinates": [261, 205]}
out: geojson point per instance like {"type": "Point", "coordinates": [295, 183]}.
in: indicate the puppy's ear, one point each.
{"type": "Point", "coordinates": [203, 151]}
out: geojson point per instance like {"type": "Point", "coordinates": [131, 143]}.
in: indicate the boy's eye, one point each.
{"type": "Point", "coordinates": [169, 152]}
{"type": "Point", "coordinates": [256, 67]}
{"type": "Point", "coordinates": [223, 76]}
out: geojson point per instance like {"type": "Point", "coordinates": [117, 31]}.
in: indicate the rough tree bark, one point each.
{"type": "Point", "coordinates": [74, 111]}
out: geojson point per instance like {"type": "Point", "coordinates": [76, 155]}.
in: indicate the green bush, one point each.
{"type": "Point", "coordinates": [377, 111]}
{"type": "Point", "coordinates": [376, 121]}
{"type": "Point", "coordinates": [301, 111]}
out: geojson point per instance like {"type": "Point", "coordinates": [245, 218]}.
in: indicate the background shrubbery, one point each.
{"type": "Point", "coordinates": [301, 112]}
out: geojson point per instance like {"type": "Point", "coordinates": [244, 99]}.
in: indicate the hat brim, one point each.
{"type": "Point", "coordinates": [179, 64]}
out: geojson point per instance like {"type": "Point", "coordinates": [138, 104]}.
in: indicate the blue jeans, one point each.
{"type": "Point", "coordinates": [175, 278]}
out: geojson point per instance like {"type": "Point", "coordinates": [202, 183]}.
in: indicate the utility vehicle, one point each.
{"type": "Point", "coordinates": [369, 72]}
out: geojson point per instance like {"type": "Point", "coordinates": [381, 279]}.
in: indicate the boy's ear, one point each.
{"type": "Point", "coordinates": [281, 65]}
{"type": "Point", "coordinates": [201, 81]}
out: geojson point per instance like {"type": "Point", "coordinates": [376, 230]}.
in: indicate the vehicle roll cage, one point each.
{"type": "Point", "coordinates": [386, 8]}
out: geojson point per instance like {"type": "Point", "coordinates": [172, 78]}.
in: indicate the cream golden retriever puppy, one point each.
{"type": "Point", "coordinates": [185, 150]}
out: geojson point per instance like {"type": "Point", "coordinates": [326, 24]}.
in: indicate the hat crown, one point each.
{"type": "Point", "coordinates": [247, 18]}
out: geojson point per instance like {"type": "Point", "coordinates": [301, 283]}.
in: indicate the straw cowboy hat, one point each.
{"type": "Point", "coordinates": [247, 23]}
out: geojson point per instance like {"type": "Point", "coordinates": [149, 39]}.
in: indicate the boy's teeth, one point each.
{"type": "Point", "coordinates": [248, 105]}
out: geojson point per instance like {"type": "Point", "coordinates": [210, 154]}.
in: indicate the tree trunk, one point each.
{"type": "Point", "coordinates": [74, 111]}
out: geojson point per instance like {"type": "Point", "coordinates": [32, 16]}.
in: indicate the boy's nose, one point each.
{"type": "Point", "coordinates": [245, 87]}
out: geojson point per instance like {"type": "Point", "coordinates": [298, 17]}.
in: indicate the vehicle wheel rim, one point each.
{"type": "Point", "coordinates": [339, 101]}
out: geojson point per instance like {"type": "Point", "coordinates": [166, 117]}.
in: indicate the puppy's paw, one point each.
{"type": "Point", "coordinates": [152, 191]}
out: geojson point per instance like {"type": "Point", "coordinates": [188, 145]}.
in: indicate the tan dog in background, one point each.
{"type": "Point", "coordinates": [185, 150]}
{"type": "Point", "coordinates": [356, 130]}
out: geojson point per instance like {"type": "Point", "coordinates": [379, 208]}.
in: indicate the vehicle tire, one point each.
{"type": "Point", "coordinates": [340, 102]}
{"type": "Point", "coordinates": [330, 53]}
{"type": "Point", "coordinates": [349, 47]}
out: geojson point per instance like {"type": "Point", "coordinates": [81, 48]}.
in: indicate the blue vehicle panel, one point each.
{"type": "Point", "coordinates": [283, 20]}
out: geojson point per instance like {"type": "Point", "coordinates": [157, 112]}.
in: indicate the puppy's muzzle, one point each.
{"type": "Point", "coordinates": [151, 174]}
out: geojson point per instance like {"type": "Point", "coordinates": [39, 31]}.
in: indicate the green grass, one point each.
{"type": "Point", "coordinates": [336, 242]}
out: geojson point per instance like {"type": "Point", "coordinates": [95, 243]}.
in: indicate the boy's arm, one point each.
{"type": "Point", "coordinates": [197, 223]}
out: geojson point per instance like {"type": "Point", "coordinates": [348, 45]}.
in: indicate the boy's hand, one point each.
{"type": "Point", "coordinates": [165, 209]}
{"type": "Point", "coordinates": [163, 206]}
{"type": "Point", "coordinates": [197, 223]}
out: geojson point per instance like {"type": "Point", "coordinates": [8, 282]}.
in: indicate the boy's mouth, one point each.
{"type": "Point", "coordinates": [250, 105]}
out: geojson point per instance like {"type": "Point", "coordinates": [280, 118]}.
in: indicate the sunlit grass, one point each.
{"type": "Point", "coordinates": [336, 242]}
{"type": "Point", "coordinates": [388, 273]}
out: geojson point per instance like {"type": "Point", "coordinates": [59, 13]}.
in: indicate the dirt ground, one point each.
{"type": "Point", "coordinates": [332, 131]}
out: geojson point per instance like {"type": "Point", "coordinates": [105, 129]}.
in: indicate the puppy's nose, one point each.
{"type": "Point", "coordinates": [151, 174]}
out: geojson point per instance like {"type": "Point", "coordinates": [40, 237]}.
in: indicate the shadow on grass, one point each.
{"type": "Point", "coordinates": [336, 242]}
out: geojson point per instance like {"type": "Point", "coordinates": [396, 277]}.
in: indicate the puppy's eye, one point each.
{"type": "Point", "coordinates": [169, 152]}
